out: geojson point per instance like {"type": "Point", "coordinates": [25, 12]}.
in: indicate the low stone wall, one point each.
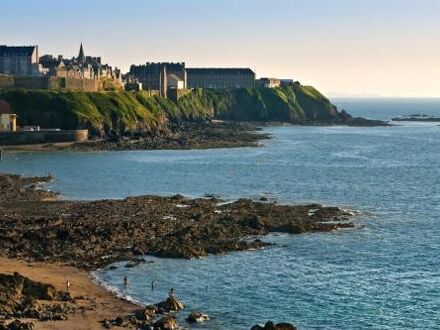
{"type": "Point", "coordinates": [32, 82]}
{"type": "Point", "coordinates": [51, 83]}
{"type": "Point", "coordinates": [35, 137]}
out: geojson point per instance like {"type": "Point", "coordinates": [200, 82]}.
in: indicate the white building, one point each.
{"type": "Point", "coordinates": [8, 122]}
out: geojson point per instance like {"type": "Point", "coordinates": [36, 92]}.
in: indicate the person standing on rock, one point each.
{"type": "Point", "coordinates": [67, 286]}
{"type": "Point", "coordinates": [171, 293]}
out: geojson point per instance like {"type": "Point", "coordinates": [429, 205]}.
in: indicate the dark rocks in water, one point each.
{"type": "Point", "coordinates": [172, 304]}
{"type": "Point", "coordinates": [347, 119]}
{"type": "Point", "coordinates": [149, 317]}
{"type": "Point", "coordinates": [196, 317]}
{"type": "Point", "coordinates": [271, 326]}
{"type": "Point", "coordinates": [166, 323]}
{"type": "Point", "coordinates": [177, 227]}
{"type": "Point", "coordinates": [416, 117]}
{"type": "Point", "coordinates": [135, 262]}
{"type": "Point", "coordinates": [187, 135]}
{"type": "Point", "coordinates": [17, 188]}
{"type": "Point", "coordinates": [146, 314]}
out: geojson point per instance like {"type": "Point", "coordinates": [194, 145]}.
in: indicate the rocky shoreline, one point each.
{"type": "Point", "coordinates": [38, 227]}
{"type": "Point", "coordinates": [188, 135]}
{"type": "Point", "coordinates": [211, 134]}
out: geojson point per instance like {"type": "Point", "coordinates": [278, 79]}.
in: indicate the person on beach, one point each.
{"type": "Point", "coordinates": [125, 281]}
{"type": "Point", "coordinates": [67, 286]}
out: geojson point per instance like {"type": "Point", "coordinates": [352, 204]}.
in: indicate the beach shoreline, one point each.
{"type": "Point", "coordinates": [49, 233]}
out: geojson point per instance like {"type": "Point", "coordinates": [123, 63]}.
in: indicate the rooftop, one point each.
{"type": "Point", "coordinates": [16, 50]}
{"type": "Point", "coordinates": [220, 70]}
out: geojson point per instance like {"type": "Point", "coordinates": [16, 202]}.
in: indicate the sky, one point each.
{"type": "Point", "coordinates": [342, 47]}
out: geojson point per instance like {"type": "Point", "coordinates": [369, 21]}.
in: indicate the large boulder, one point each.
{"type": "Point", "coordinates": [172, 304]}
{"type": "Point", "coordinates": [166, 323]}
{"type": "Point", "coordinates": [146, 314]}
{"type": "Point", "coordinates": [196, 317]}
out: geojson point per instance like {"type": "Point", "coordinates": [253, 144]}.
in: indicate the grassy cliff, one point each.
{"type": "Point", "coordinates": [124, 111]}
{"type": "Point", "coordinates": [294, 103]}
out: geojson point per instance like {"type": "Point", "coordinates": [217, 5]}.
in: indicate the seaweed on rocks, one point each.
{"type": "Point", "coordinates": [35, 228]}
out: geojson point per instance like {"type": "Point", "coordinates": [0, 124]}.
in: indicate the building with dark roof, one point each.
{"type": "Point", "coordinates": [268, 82]}
{"type": "Point", "coordinates": [220, 78]}
{"type": "Point", "coordinates": [83, 66]}
{"type": "Point", "coordinates": [19, 60]}
{"type": "Point", "coordinates": [160, 76]}
{"type": "Point", "coordinates": [81, 56]}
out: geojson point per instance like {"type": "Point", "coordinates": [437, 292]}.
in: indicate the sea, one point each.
{"type": "Point", "coordinates": [383, 274]}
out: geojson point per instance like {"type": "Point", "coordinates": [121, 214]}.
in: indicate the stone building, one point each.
{"type": "Point", "coordinates": [220, 78]}
{"type": "Point", "coordinates": [19, 61]}
{"type": "Point", "coordinates": [160, 76]}
{"type": "Point", "coordinates": [83, 66]}
{"type": "Point", "coordinates": [8, 120]}
{"type": "Point", "coordinates": [268, 82]}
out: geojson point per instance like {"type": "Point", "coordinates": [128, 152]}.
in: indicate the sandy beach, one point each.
{"type": "Point", "coordinates": [105, 305]}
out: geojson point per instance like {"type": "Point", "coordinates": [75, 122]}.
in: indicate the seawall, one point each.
{"type": "Point", "coordinates": [35, 137]}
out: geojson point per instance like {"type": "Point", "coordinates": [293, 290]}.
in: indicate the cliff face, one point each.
{"type": "Point", "coordinates": [126, 111]}
{"type": "Point", "coordinates": [294, 103]}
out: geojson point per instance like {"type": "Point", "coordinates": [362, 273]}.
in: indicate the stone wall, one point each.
{"type": "Point", "coordinates": [35, 137]}
{"type": "Point", "coordinates": [31, 82]}
{"type": "Point", "coordinates": [6, 82]}
{"type": "Point", "coordinates": [51, 83]}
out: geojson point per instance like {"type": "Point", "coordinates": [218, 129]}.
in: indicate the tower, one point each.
{"type": "Point", "coordinates": [163, 80]}
{"type": "Point", "coordinates": [81, 56]}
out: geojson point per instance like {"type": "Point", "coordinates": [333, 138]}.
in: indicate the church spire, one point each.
{"type": "Point", "coordinates": [81, 56]}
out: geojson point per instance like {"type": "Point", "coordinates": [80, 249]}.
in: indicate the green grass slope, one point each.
{"type": "Point", "coordinates": [102, 112]}
{"type": "Point", "coordinates": [294, 103]}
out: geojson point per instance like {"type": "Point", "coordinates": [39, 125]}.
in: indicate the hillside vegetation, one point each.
{"type": "Point", "coordinates": [102, 112]}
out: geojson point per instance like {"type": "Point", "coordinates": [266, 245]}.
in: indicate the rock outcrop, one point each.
{"type": "Point", "coordinates": [196, 317]}
{"type": "Point", "coordinates": [271, 326]}
{"type": "Point", "coordinates": [36, 229]}
{"type": "Point", "coordinates": [172, 304]}
{"type": "Point", "coordinates": [166, 323]}
{"type": "Point", "coordinates": [21, 297]}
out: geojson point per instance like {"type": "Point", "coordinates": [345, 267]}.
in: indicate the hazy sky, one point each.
{"type": "Point", "coordinates": [386, 47]}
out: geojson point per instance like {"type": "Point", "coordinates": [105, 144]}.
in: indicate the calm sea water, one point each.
{"type": "Point", "coordinates": [383, 275]}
